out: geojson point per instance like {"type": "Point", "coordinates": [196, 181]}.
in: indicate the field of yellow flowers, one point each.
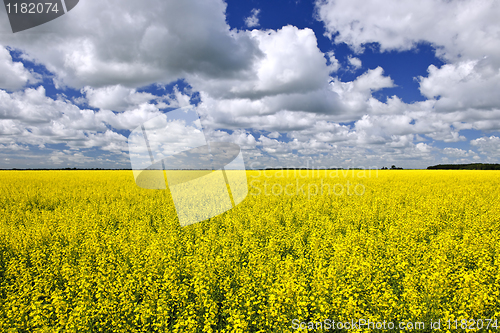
{"type": "Point", "coordinates": [89, 251]}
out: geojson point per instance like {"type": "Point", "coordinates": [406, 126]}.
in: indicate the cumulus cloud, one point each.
{"type": "Point", "coordinates": [334, 64]}
{"type": "Point", "coordinates": [30, 106]}
{"type": "Point", "coordinates": [356, 96]}
{"type": "Point", "coordinates": [489, 146]}
{"type": "Point", "coordinates": [274, 89]}
{"type": "Point", "coordinates": [354, 62]}
{"type": "Point", "coordinates": [31, 118]}
{"type": "Point", "coordinates": [179, 99]}
{"type": "Point", "coordinates": [13, 147]}
{"type": "Point", "coordinates": [400, 25]}
{"type": "Point", "coordinates": [464, 33]}
{"type": "Point", "coordinates": [135, 44]}
{"type": "Point", "coordinates": [459, 153]}
{"type": "Point", "coordinates": [472, 84]}
{"type": "Point", "coordinates": [290, 79]}
{"type": "Point", "coordinates": [290, 62]}
{"type": "Point", "coordinates": [405, 140]}
{"type": "Point", "coordinates": [14, 75]}
{"type": "Point", "coordinates": [253, 20]}
{"type": "Point", "coordinates": [116, 98]}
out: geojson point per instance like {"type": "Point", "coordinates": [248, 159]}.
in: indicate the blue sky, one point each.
{"type": "Point", "coordinates": [345, 83]}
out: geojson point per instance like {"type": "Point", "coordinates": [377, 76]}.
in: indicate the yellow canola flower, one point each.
{"type": "Point", "coordinates": [89, 251]}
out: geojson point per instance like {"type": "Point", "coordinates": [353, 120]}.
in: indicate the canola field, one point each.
{"type": "Point", "coordinates": [89, 251]}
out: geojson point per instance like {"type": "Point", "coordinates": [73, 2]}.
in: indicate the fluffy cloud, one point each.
{"type": "Point", "coordinates": [116, 98]}
{"type": "Point", "coordinates": [464, 33]}
{"type": "Point", "coordinates": [274, 89]}
{"type": "Point", "coordinates": [356, 96]}
{"type": "Point", "coordinates": [14, 75]}
{"type": "Point", "coordinates": [290, 62]}
{"type": "Point", "coordinates": [334, 64]}
{"type": "Point", "coordinates": [13, 147]}
{"type": "Point", "coordinates": [30, 117]}
{"type": "Point", "coordinates": [472, 84]}
{"type": "Point", "coordinates": [460, 154]}
{"type": "Point", "coordinates": [400, 25]}
{"type": "Point", "coordinates": [289, 81]}
{"type": "Point", "coordinates": [253, 20]}
{"type": "Point", "coordinates": [489, 146]}
{"type": "Point", "coordinates": [134, 43]}
{"type": "Point", "coordinates": [354, 62]}
{"type": "Point", "coordinates": [30, 106]}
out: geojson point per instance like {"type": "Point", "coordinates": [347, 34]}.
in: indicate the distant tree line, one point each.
{"type": "Point", "coordinates": [392, 168]}
{"type": "Point", "coordinates": [472, 166]}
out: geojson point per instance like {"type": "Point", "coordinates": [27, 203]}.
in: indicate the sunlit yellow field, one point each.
{"type": "Point", "coordinates": [89, 251]}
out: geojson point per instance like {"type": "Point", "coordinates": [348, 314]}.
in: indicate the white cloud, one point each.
{"type": "Point", "coordinates": [293, 61]}
{"type": "Point", "coordinates": [464, 29]}
{"type": "Point", "coordinates": [334, 64]}
{"type": "Point", "coordinates": [253, 20]}
{"type": "Point", "coordinates": [354, 62]}
{"type": "Point", "coordinates": [290, 80]}
{"type": "Point", "coordinates": [472, 84]}
{"type": "Point", "coordinates": [489, 146]}
{"type": "Point", "coordinates": [291, 76]}
{"type": "Point", "coordinates": [179, 99]}
{"type": "Point", "coordinates": [277, 81]}
{"type": "Point", "coordinates": [129, 119]}
{"type": "Point", "coordinates": [116, 98]}
{"type": "Point", "coordinates": [30, 106]}
{"type": "Point", "coordinates": [464, 33]}
{"type": "Point", "coordinates": [356, 96]}
{"type": "Point", "coordinates": [423, 147]}
{"type": "Point", "coordinates": [373, 80]}
{"type": "Point", "coordinates": [14, 75]}
{"type": "Point", "coordinates": [108, 140]}
{"type": "Point", "coordinates": [290, 62]}
{"type": "Point", "coordinates": [459, 153]}
{"type": "Point", "coordinates": [135, 43]}
{"type": "Point", "coordinates": [31, 118]}
{"type": "Point", "coordinates": [13, 147]}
